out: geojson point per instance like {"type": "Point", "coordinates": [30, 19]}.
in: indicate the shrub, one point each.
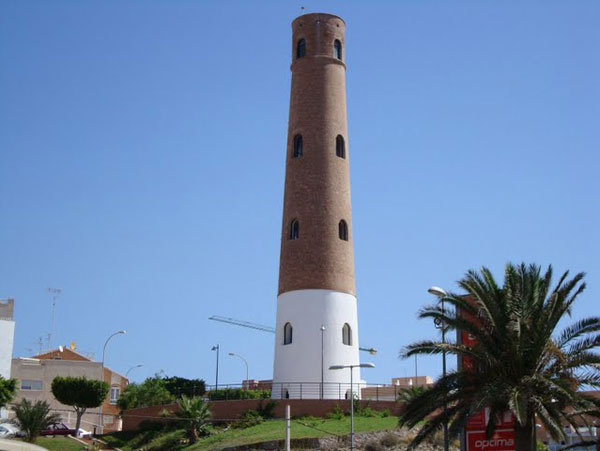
{"type": "Point", "coordinates": [267, 410]}
{"type": "Point", "coordinates": [335, 414]}
{"type": "Point", "coordinates": [248, 419]}
{"type": "Point", "coordinates": [167, 442]}
{"type": "Point", "coordinates": [367, 412]}
{"type": "Point", "coordinates": [541, 446]}
{"type": "Point", "coordinates": [373, 445]}
{"type": "Point", "coordinates": [385, 413]}
{"type": "Point", "coordinates": [389, 440]}
{"type": "Point", "coordinates": [151, 425]}
{"type": "Point", "coordinates": [237, 393]}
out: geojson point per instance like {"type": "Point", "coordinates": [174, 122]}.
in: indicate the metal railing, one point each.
{"type": "Point", "coordinates": [312, 390]}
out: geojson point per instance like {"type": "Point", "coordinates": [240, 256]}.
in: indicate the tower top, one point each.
{"type": "Point", "coordinates": [317, 16]}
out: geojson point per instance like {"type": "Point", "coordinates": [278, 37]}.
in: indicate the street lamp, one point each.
{"type": "Point", "coordinates": [119, 332]}
{"type": "Point", "coordinates": [133, 368]}
{"type": "Point", "coordinates": [216, 348]}
{"type": "Point", "coordinates": [441, 295]}
{"type": "Point", "coordinates": [341, 367]}
{"type": "Point", "coordinates": [322, 361]}
{"type": "Point", "coordinates": [233, 354]}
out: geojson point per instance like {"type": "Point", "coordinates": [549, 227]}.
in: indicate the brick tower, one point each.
{"type": "Point", "coordinates": [316, 305]}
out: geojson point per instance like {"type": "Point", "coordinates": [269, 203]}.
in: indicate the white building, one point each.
{"type": "Point", "coordinates": [7, 337]}
{"type": "Point", "coordinates": [7, 334]}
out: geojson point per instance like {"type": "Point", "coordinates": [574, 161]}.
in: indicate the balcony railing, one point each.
{"type": "Point", "coordinates": [316, 390]}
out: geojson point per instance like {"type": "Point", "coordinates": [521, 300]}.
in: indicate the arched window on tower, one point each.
{"type": "Point", "coordinates": [298, 146]}
{"type": "Point", "coordinates": [340, 147]}
{"type": "Point", "coordinates": [343, 230]}
{"type": "Point", "coordinates": [347, 334]}
{"type": "Point", "coordinates": [287, 334]}
{"type": "Point", "coordinates": [301, 48]}
{"type": "Point", "coordinates": [294, 230]}
{"type": "Point", "coordinates": [337, 49]}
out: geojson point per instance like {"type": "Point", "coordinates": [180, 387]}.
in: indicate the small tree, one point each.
{"type": "Point", "coordinates": [153, 391]}
{"type": "Point", "coordinates": [79, 393]}
{"type": "Point", "coordinates": [8, 388]}
{"type": "Point", "coordinates": [195, 414]}
{"type": "Point", "coordinates": [34, 418]}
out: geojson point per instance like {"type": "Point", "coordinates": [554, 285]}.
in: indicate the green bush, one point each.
{"type": "Point", "coordinates": [168, 442]}
{"type": "Point", "coordinates": [541, 446]}
{"type": "Point", "coordinates": [248, 419]}
{"type": "Point", "coordinates": [237, 393]}
{"type": "Point", "coordinates": [368, 412]}
{"type": "Point", "coordinates": [384, 413]}
{"type": "Point", "coordinates": [267, 410]}
{"type": "Point", "coordinates": [335, 414]}
{"type": "Point", "coordinates": [389, 440]}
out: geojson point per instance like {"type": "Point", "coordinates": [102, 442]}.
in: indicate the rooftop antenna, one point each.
{"type": "Point", "coordinates": [55, 293]}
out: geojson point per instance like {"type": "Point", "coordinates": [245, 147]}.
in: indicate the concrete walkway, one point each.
{"type": "Point", "coordinates": [17, 445]}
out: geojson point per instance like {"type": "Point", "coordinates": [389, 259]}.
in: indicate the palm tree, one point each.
{"type": "Point", "coordinates": [407, 394]}
{"type": "Point", "coordinates": [34, 418]}
{"type": "Point", "coordinates": [518, 362]}
{"type": "Point", "coordinates": [195, 413]}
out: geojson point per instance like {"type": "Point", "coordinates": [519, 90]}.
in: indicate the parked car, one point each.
{"type": "Point", "coordinates": [58, 429]}
{"type": "Point", "coordinates": [8, 430]}
{"type": "Point", "coordinates": [5, 432]}
{"type": "Point", "coordinates": [63, 429]}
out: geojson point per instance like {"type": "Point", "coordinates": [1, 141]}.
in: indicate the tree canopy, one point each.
{"type": "Point", "coordinates": [519, 361]}
{"type": "Point", "coordinates": [159, 389]}
{"type": "Point", "coordinates": [8, 388]}
{"type": "Point", "coordinates": [79, 393]}
{"type": "Point", "coordinates": [153, 391]}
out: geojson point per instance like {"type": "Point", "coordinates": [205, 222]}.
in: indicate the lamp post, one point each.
{"type": "Point", "coordinates": [133, 368]}
{"type": "Point", "coordinates": [322, 361]}
{"type": "Point", "coordinates": [441, 295]}
{"type": "Point", "coordinates": [216, 348]}
{"type": "Point", "coordinates": [119, 332]}
{"type": "Point", "coordinates": [341, 367]}
{"type": "Point", "coordinates": [233, 354]}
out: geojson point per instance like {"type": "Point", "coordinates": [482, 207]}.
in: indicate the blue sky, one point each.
{"type": "Point", "coordinates": [142, 150]}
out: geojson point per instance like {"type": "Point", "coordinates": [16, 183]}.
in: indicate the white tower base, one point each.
{"type": "Point", "coordinates": [301, 368]}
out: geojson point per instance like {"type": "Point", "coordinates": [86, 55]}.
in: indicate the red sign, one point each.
{"type": "Point", "coordinates": [501, 440]}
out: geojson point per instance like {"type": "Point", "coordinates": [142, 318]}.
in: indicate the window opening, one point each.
{"type": "Point", "coordinates": [340, 146]}
{"type": "Point", "coordinates": [301, 48]}
{"type": "Point", "coordinates": [298, 145]}
{"type": "Point", "coordinates": [294, 230]}
{"type": "Point", "coordinates": [287, 334]}
{"type": "Point", "coordinates": [343, 230]}
{"type": "Point", "coordinates": [337, 49]}
{"type": "Point", "coordinates": [347, 334]}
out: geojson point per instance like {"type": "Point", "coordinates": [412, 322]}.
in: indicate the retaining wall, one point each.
{"type": "Point", "coordinates": [231, 410]}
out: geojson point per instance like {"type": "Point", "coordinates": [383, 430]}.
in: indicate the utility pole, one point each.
{"type": "Point", "coordinates": [55, 293]}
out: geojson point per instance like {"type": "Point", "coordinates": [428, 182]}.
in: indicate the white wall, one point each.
{"type": "Point", "coordinates": [7, 334]}
{"type": "Point", "coordinates": [300, 361]}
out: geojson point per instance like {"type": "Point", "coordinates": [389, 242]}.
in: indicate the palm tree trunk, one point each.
{"type": "Point", "coordinates": [193, 433]}
{"type": "Point", "coordinates": [524, 435]}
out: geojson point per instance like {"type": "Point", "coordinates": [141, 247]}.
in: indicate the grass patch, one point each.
{"type": "Point", "coordinates": [59, 444]}
{"type": "Point", "coordinates": [300, 428]}
{"type": "Point", "coordinates": [265, 431]}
